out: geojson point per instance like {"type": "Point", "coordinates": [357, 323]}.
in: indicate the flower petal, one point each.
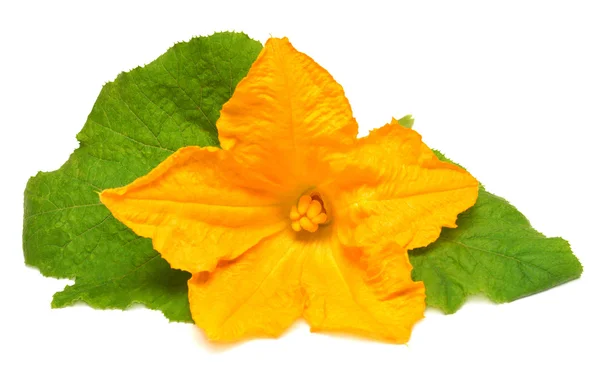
{"type": "Point", "coordinates": [199, 207]}
{"type": "Point", "coordinates": [287, 116]}
{"type": "Point", "coordinates": [256, 295]}
{"type": "Point", "coordinates": [371, 295]}
{"type": "Point", "coordinates": [393, 187]}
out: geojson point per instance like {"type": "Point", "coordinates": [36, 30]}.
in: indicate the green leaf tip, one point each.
{"type": "Point", "coordinates": [407, 121]}
{"type": "Point", "coordinates": [494, 251]}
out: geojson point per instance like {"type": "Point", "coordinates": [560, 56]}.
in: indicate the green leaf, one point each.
{"type": "Point", "coordinates": [407, 121]}
{"type": "Point", "coordinates": [138, 120]}
{"type": "Point", "coordinates": [494, 251]}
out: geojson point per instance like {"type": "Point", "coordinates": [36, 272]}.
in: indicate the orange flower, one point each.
{"type": "Point", "coordinates": [294, 216]}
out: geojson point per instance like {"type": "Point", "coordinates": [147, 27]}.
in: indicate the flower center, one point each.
{"type": "Point", "coordinates": [309, 213]}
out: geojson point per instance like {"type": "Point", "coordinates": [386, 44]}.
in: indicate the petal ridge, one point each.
{"type": "Point", "coordinates": [369, 294]}
{"type": "Point", "coordinates": [256, 295]}
{"type": "Point", "coordinates": [199, 208]}
{"type": "Point", "coordinates": [406, 199]}
{"type": "Point", "coordinates": [290, 110]}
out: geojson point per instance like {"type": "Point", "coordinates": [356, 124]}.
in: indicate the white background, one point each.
{"type": "Point", "coordinates": [511, 91]}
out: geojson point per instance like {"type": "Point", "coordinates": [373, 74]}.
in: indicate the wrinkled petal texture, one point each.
{"type": "Point", "coordinates": [371, 295]}
{"type": "Point", "coordinates": [198, 207]}
{"type": "Point", "coordinates": [265, 290]}
{"type": "Point", "coordinates": [256, 295]}
{"type": "Point", "coordinates": [392, 187]}
{"type": "Point", "coordinates": [288, 110]}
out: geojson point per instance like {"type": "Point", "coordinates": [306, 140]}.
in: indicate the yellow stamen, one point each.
{"type": "Point", "coordinates": [294, 214]}
{"type": "Point", "coordinates": [321, 218]}
{"type": "Point", "coordinates": [308, 214]}
{"type": "Point", "coordinates": [308, 225]}
{"type": "Point", "coordinates": [296, 226]}
{"type": "Point", "coordinates": [303, 204]}
{"type": "Point", "coordinates": [314, 209]}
